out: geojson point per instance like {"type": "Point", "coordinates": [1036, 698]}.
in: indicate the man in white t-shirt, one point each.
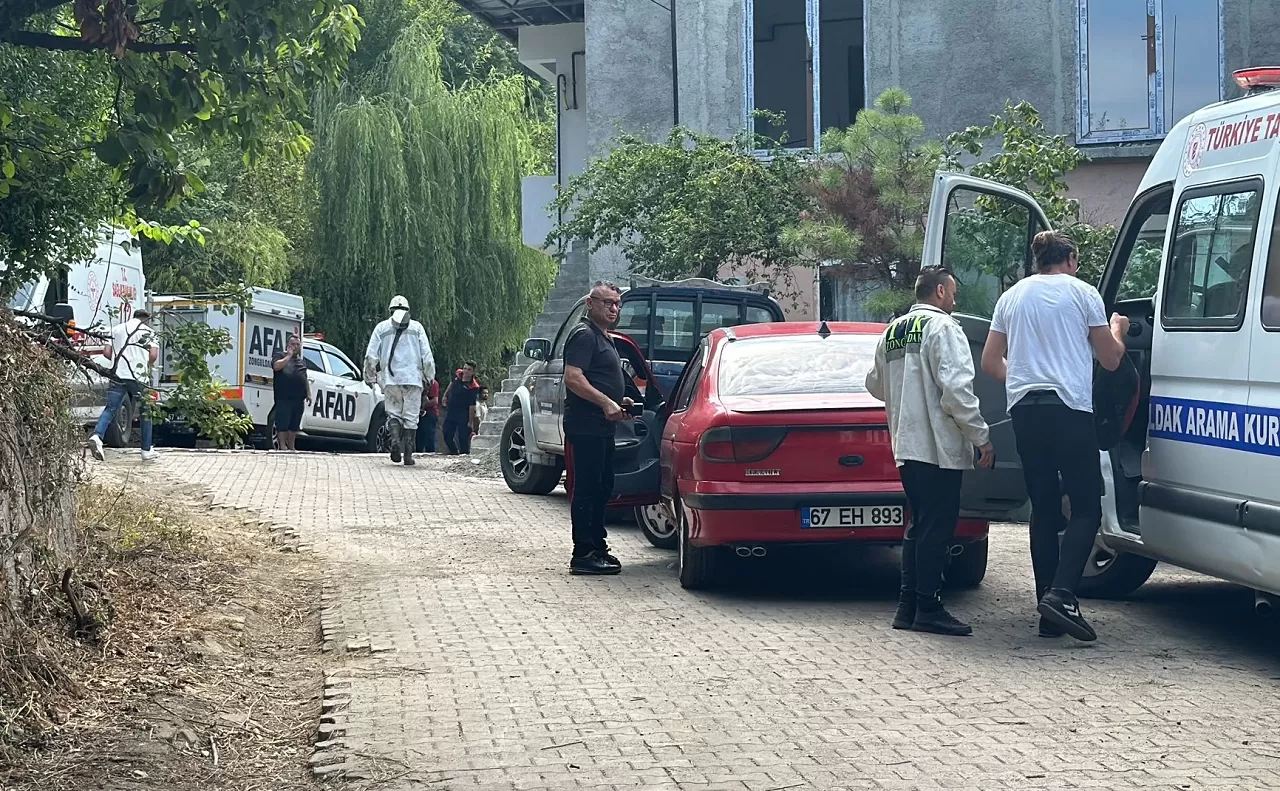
{"type": "Point", "coordinates": [132, 351]}
{"type": "Point", "coordinates": [1044, 337]}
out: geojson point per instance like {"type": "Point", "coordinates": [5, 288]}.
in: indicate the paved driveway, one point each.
{"type": "Point", "coordinates": [465, 656]}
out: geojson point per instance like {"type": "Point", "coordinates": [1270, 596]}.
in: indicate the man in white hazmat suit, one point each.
{"type": "Point", "coordinates": [399, 357]}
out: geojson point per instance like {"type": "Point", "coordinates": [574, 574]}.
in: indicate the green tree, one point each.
{"type": "Point", "coordinates": [1036, 162]}
{"type": "Point", "coordinates": [687, 205]}
{"type": "Point", "coordinates": [146, 79]}
{"type": "Point", "coordinates": [871, 194]}
{"type": "Point", "coordinates": [419, 188]}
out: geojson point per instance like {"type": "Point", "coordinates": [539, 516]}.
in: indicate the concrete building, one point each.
{"type": "Point", "coordinates": [1114, 75]}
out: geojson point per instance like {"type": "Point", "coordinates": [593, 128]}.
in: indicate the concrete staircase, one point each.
{"type": "Point", "coordinates": [571, 284]}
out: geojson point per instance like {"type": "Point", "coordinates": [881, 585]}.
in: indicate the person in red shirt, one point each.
{"type": "Point", "coordinates": [429, 419]}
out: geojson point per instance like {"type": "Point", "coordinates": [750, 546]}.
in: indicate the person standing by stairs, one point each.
{"type": "Point", "coordinates": [459, 408]}
{"type": "Point", "coordinates": [399, 355]}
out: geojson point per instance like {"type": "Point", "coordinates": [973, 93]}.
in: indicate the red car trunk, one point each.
{"type": "Point", "coordinates": [808, 439]}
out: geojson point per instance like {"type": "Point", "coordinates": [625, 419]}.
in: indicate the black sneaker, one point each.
{"type": "Point", "coordinates": [906, 614]}
{"type": "Point", "coordinates": [1049, 628]}
{"type": "Point", "coordinates": [937, 620]}
{"type": "Point", "coordinates": [593, 564]}
{"type": "Point", "coordinates": [608, 556]}
{"type": "Point", "coordinates": [1062, 609]}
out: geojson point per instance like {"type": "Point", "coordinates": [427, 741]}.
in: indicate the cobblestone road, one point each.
{"type": "Point", "coordinates": [465, 656]}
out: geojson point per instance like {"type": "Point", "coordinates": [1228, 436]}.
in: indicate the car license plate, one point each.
{"type": "Point", "coordinates": [853, 516]}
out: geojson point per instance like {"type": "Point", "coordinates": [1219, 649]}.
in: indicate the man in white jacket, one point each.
{"type": "Point", "coordinates": [924, 374]}
{"type": "Point", "coordinates": [399, 357]}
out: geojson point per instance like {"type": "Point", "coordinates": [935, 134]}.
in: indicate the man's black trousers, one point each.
{"type": "Point", "coordinates": [592, 459]}
{"type": "Point", "coordinates": [1055, 440]}
{"type": "Point", "coordinates": [457, 433]}
{"type": "Point", "coordinates": [934, 497]}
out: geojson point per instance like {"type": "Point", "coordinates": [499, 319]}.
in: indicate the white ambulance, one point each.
{"type": "Point", "coordinates": [101, 291]}
{"type": "Point", "coordinates": [1196, 268]}
{"type": "Point", "coordinates": [343, 407]}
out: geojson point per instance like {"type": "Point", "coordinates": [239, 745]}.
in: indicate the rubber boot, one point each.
{"type": "Point", "coordinates": [409, 441]}
{"type": "Point", "coordinates": [393, 437]}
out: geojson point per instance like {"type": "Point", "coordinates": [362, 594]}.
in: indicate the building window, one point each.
{"type": "Point", "coordinates": [1145, 65]}
{"type": "Point", "coordinates": [804, 62]}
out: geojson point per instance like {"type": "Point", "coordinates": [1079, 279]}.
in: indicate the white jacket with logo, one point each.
{"type": "Point", "coordinates": [924, 375]}
{"type": "Point", "coordinates": [412, 364]}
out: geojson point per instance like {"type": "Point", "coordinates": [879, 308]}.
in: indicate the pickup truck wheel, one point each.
{"type": "Point", "coordinates": [521, 474]}
{"type": "Point", "coordinates": [657, 525]}
{"type": "Point", "coordinates": [378, 440]}
{"type": "Point", "coordinates": [967, 569]}
{"type": "Point", "coordinates": [119, 431]}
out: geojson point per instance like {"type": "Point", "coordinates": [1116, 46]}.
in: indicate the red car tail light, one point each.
{"type": "Point", "coordinates": [741, 445]}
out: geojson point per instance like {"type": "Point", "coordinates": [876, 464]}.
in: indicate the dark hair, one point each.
{"type": "Point", "coordinates": [609, 284]}
{"type": "Point", "coordinates": [142, 313]}
{"type": "Point", "coordinates": [1052, 248]}
{"type": "Point", "coordinates": [930, 278]}
{"type": "Point", "coordinates": [469, 364]}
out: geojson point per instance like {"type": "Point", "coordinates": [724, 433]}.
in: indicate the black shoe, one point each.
{"type": "Point", "coordinates": [935, 618]}
{"type": "Point", "coordinates": [593, 564]}
{"type": "Point", "coordinates": [608, 556]}
{"type": "Point", "coordinates": [1062, 609]}
{"type": "Point", "coordinates": [1049, 628]}
{"type": "Point", "coordinates": [906, 614]}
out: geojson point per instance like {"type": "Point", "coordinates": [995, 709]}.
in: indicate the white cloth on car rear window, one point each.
{"type": "Point", "coordinates": [789, 365]}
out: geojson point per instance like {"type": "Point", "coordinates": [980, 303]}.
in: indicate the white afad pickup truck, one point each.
{"type": "Point", "coordinates": [343, 407]}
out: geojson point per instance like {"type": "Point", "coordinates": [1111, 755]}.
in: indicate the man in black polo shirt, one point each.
{"type": "Point", "coordinates": [594, 402]}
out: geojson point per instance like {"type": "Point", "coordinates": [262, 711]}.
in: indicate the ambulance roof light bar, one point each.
{"type": "Point", "coordinates": [1259, 79]}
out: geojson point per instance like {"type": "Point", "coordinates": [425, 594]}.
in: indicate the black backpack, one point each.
{"type": "Point", "coordinates": [1115, 393]}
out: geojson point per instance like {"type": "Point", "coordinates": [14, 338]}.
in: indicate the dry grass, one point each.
{"type": "Point", "coordinates": [204, 673]}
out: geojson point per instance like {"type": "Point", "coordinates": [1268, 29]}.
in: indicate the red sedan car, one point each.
{"type": "Point", "coordinates": [771, 438]}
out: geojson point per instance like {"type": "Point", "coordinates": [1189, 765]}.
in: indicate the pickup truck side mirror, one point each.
{"type": "Point", "coordinates": [537, 348]}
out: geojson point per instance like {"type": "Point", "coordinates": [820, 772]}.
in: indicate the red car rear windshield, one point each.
{"type": "Point", "coordinates": [797, 365]}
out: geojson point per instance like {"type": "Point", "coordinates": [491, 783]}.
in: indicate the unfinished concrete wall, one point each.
{"type": "Point", "coordinates": [1252, 33]}
{"type": "Point", "coordinates": [628, 61]}
{"type": "Point", "coordinates": [961, 61]}
{"type": "Point", "coordinates": [709, 52]}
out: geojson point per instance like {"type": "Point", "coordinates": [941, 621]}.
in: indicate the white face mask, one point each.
{"type": "Point", "coordinates": [400, 317]}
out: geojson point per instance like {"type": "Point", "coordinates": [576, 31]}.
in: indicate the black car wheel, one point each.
{"type": "Point", "coordinates": [967, 569]}
{"type": "Point", "coordinates": [378, 438]}
{"type": "Point", "coordinates": [121, 427]}
{"type": "Point", "coordinates": [699, 566]}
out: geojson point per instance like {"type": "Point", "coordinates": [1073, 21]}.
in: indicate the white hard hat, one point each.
{"type": "Point", "coordinates": [398, 302]}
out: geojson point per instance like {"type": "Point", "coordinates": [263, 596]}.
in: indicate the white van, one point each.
{"type": "Point", "coordinates": [1196, 268]}
{"type": "Point", "coordinates": [102, 290]}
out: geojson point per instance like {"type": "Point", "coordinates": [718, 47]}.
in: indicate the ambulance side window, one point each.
{"type": "Point", "coordinates": [1271, 286]}
{"type": "Point", "coordinates": [1212, 256]}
